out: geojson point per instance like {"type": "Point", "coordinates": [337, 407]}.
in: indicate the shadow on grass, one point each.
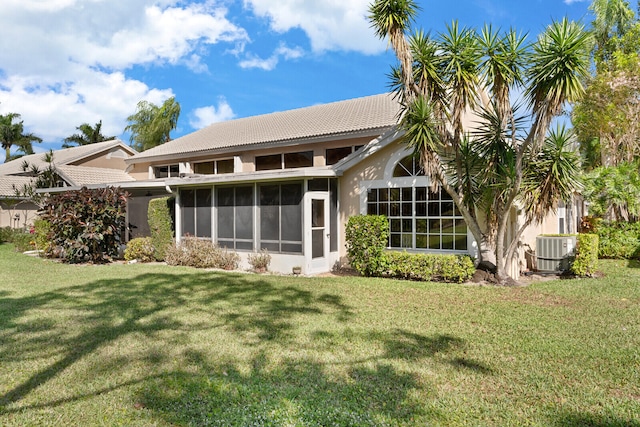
{"type": "Point", "coordinates": [572, 419]}
{"type": "Point", "coordinates": [73, 324]}
{"type": "Point", "coordinates": [292, 394]}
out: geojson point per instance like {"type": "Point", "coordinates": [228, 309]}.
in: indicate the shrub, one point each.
{"type": "Point", "coordinates": [22, 240]}
{"type": "Point", "coordinates": [140, 249]}
{"type": "Point", "coordinates": [86, 225]}
{"type": "Point", "coordinates": [586, 258]}
{"type": "Point", "coordinates": [260, 261]}
{"type": "Point", "coordinates": [367, 237]}
{"type": "Point", "coordinates": [619, 240]}
{"type": "Point", "coordinates": [199, 253]}
{"type": "Point", "coordinates": [228, 260]}
{"type": "Point", "coordinates": [160, 224]}
{"type": "Point", "coordinates": [6, 234]}
{"type": "Point", "coordinates": [434, 267]}
{"type": "Point", "coordinates": [42, 235]}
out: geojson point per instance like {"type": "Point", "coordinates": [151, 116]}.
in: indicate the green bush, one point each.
{"type": "Point", "coordinates": [42, 235]}
{"type": "Point", "coordinates": [140, 249]}
{"type": "Point", "coordinates": [584, 264]}
{"type": "Point", "coordinates": [619, 240]}
{"type": "Point", "coordinates": [367, 237]}
{"type": "Point", "coordinates": [86, 225]}
{"type": "Point", "coordinates": [22, 240]}
{"type": "Point", "coordinates": [200, 253]}
{"type": "Point", "coordinates": [6, 233]}
{"type": "Point", "coordinates": [432, 267]}
{"type": "Point", "coordinates": [160, 224]}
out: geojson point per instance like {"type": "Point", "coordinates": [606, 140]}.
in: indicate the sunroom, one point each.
{"type": "Point", "coordinates": [292, 214]}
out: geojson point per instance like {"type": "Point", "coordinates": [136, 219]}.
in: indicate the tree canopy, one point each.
{"type": "Point", "coordinates": [88, 135]}
{"type": "Point", "coordinates": [151, 125]}
{"type": "Point", "coordinates": [507, 157]}
{"type": "Point", "coordinates": [12, 134]}
{"type": "Point", "coordinates": [606, 120]}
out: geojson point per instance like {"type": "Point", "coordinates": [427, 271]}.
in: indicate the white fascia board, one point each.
{"type": "Point", "coordinates": [272, 175]}
{"type": "Point", "coordinates": [125, 185]}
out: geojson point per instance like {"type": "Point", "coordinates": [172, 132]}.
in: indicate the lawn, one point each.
{"type": "Point", "coordinates": [151, 345]}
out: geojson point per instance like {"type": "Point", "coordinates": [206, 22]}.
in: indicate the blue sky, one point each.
{"type": "Point", "coordinates": [67, 62]}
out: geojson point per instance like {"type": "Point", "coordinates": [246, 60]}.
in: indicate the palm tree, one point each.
{"type": "Point", "coordinates": [486, 172]}
{"type": "Point", "coordinates": [151, 125]}
{"type": "Point", "coordinates": [88, 135]}
{"type": "Point", "coordinates": [12, 134]}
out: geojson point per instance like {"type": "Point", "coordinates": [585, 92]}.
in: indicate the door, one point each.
{"type": "Point", "coordinates": [317, 242]}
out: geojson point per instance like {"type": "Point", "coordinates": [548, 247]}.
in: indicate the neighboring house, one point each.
{"type": "Point", "coordinates": [100, 163]}
{"type": "Point", "coordinates": [289, 181]}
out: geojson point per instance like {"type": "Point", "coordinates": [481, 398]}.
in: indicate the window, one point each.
{"type": "Point", "coordinates": [214, 167]}
{"type": "Point", "coordinates": [301, 159]}
{"type": "Point", "coordinates": [298, 160]}
{"type": "Point", "coordinates": [270, 162]}
{"type": "Point", "coordinates": [235, 217]}
{"type": "Point", "coordinates": [334, 155]}
{"type": "Point", "coordinates": [419, 218]}
{"type": "Point", "coordinates": [169, 171]}
{"type": "Point", "coordinates": [204, 168]}
{"type": "Point", "coordinates": [281, 217]}
{"type": "Point", "coordinates": [224, 166]}
{"type": "Point", "coordinates": [409, 166]}
{"type": "Point", "coordinates": [196, 212]}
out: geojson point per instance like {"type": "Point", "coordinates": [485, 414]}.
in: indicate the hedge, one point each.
{"type": "Point", "coordinates": [430, 267]}
{"type": "Point", "coordinates": [367, 238]}
{"type": "Point", "coordinates": [160, 225]}
{"type": "Point", "coordinates": [584, 264]}
{"type": "Point", "coordinates": [619, 240]}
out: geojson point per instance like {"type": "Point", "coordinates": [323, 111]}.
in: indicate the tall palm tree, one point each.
{"type": "Point", "coordinates": [477, 73]}
{"type": "Point", "coordinates": [88, 135]}
{"type": "Point", "coordinates": [12, 134]}
{"type": "Point", "coordinates": [151, 125]}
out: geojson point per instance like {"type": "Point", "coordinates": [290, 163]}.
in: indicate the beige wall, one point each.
{"type": "Point", "coordinates": [140, 170]}
{"type": "Point", "coordinates": [371, 168]}
{"type": "Point", "coordinates": [113, 159]}
{"type": "Point", "coordinates": [8, 210]}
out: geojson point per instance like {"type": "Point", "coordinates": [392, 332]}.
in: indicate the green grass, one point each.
{"type": "Point", "coordinates": [151, 345]}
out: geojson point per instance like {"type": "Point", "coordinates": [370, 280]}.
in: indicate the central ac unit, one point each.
{"type": "Point", "coordinates": [554, 253]}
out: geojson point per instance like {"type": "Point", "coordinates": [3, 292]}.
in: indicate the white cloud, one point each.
{"type": "Point", "coordinates": [204, 116]}
{"type": "Point", "coordinates": [329, 24]}
{"type": "Point", "coordinates": [64, 62]}
{"type": "Point", "coordinates": [270, 63]}
{"type": "Point", "coordinates": [569, 2]}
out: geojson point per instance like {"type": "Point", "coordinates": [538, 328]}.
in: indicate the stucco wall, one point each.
{"type": "Point", "coordinates": [114, 159]}
{"type": "Point", "coordinates": [371, 168]}
{"type": "Point", "coordinates": [26, 210]}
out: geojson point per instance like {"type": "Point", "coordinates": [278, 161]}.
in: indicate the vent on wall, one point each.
{"type": "Point", "coordinates": [553, 253]}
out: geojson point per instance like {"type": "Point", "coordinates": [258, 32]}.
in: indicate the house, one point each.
{"type": "Point", "coordinates": [289, 181]}
{"type": "Point", "coordinates": [101, 163]}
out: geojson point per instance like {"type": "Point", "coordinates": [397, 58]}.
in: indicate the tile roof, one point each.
{"type": "Point", "coordinates": [64, 156]}
{"type": "Point", "coordinates": [7, 183]}
{"type": "Point", "coordinates": [85, 175]}
{"type": "Point", "coordinates": [338, 118]}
